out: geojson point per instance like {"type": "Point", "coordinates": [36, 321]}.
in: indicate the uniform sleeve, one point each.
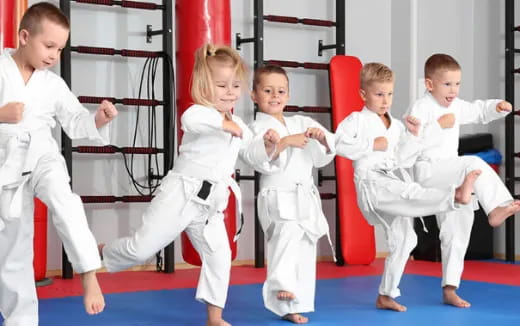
{"type": "Point", "coordinates": [319, 153]}
{"type": "Point", "coordinates": [479, 111]}
{"type": "Point", "coordinates": [199, 119]}
{"type": "Point", "coordinates": [408, 148]}
{"type": "Point", "coordinates": [254, 153]}
{"type": "Point", "coordinates": [430, 130]}
{"type": "Point", "coordinates": [75, 119]}
{"type": "Point", "coordinates": [349, 139]}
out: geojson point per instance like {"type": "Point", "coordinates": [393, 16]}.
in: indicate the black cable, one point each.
{"type": "Point", "coordinates": [150, 70]}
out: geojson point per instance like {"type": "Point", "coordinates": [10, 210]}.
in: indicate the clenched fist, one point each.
{"type": "Point", "coordinates": [447, 120]}
{"type": "Point", "coordinates": [412, 124]}
{"type": "Point", "coordinates": [504, 106]}
{"type": "Point", "coordinates": [12, 112]}
{"type": "Point", "coordinates": [105, 113]}
{"type": "Point", "coordinates": [380, 144]}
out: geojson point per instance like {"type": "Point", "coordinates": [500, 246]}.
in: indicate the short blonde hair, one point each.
{"type": "Point", "coordinates": [438, 62]}
{"type": "Point", "coordinates": [37, 13]}
{"type": "Point", "coordinates": [374, 72]}
{"type": "Point", "coordinates": [202, 88]}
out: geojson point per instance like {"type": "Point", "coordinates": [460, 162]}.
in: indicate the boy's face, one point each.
{"type": "Point", "coordinates": [271, 94]}
{"type": "Point", "coordinates": [226, 87]}
{"type": "Point", "coordinates": [42, 49]}
{"type": "Point", "coordinates": [378, 97]}
{"type": "Point", "coordinates": [444, 86]}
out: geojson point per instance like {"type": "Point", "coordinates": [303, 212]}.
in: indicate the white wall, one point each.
{"type": "Point", "coordinates": [376, 30]}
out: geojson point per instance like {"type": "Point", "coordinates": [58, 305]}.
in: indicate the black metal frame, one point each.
{"type": "Point", "coordinates": [510, 52]}
{"type": "Point", "coordinates": [258, 41]}
{"type": "Point", "coordinates": [167, 103]}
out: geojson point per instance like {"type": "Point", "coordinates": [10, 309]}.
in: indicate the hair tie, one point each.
{"type": "Point", "coordinates": [211, 51]}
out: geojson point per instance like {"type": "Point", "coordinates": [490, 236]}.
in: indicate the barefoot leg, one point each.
{"type": "Point", "coordinates": [296, 318]}
{"type": "Point", "coordinates": [464, 191]}
{"type": "Point", "coordinates": [215, 316]}
{"type": "Point", "coordinates": [386, 302]}
{"type": "Point", "coordinates": [93, 297]}
{"type": "Point", "coordinates": [498, 215]}
{"type": "Point", "coordinates": [450, 297]}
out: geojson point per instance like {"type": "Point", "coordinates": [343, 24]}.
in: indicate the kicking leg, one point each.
{"type": "Point", "coordinates": [498, 215]}
{"type": "Point", "coordinates": [93, 297]}
{"type": "Point", "coordinates": [464, 191]}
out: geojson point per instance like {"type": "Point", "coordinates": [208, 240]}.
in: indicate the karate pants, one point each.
{"type": "Point", "coordinates": [455, 226]}
{"type": "Point", "coordinates": [49, 182]}
{"type": "Point", "coordinates": [291, 267]}
{"type": "Point", "coordinates": [401, 240]}
{"type": "Point", "coordinates": [174, 209]}
{"type": "Point", "coordinates": [383, 197]}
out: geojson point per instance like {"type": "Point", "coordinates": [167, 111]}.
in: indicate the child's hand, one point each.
{"type": "Point", "coordinates": [12, 112]}
{"type": "Point", "coordinates": [318, 134]}
{"type": "Point", "coordinates": [271, 138]}
{"type": "Point", "coordinates": [105, 113]}
{"type": "Point", "coordinates": [412, 124]}
{"type": "Point", "coordinates": [504, 106]}
{"type": "Point", "coordinates": [296, 140]}
{"type": "Point", "coordinates": [230, 126]}
{"type": "Point", "coordinates": [380, 144]}
{"type": "Point", "coordinates": [447, 120]}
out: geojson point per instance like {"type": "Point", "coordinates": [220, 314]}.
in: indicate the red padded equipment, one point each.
{"type": "Point", "coordinates": [357, 236]}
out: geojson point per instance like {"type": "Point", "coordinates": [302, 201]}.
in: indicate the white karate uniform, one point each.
{"type": "Point", "coordinates": [207, 153]}
{"type": "Point", "coordinates": [31, 165]}
{"type": "Point", "coordinates": [289, 209]}
{"type": "Point", "coordinates": [386, 194]}
{"type": "Point", "coordinates": [439, 165]}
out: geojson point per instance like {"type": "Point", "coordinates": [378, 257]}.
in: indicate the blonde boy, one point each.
{"type": "Point", "coordinates": [381, 148]}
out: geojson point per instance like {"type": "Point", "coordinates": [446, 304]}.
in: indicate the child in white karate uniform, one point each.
{"type": "Point", "coordinates": [381, 149]}
{"type": "Point", "coordinates": [289, 203]}
{"type": "Point", "coordinates": [31, 98]}
{"type": "Point", "coordinates": [194, 194]}
{"type": "Point", "coordinates": [443, 112]}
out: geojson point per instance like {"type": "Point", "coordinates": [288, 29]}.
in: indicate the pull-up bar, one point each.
{"type": "Point", "coordinates": [124, 4]}
{"type": "Point", "coordinates": [124, 101]}
{"type": "Point", "coordinates": [111, 51]}
{"type": "Point", "coordinates": [111, 149]}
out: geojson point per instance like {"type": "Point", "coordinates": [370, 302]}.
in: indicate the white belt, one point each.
{"type": "Point", "coordinates": [19, 147]}
{"type": "Point", "coordinates": [368, 193]}
{"type": "Point", "coordinates": [201, 172]}
{"type": "Point", "coordinates": [280, 183]}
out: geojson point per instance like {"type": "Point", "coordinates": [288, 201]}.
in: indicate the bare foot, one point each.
{"type": "Point", "coordinates": [464, 191]}
{"type": "Point", "coordinates": [215, 316]}
{"type": "Point", "coordinates": [100, 249]}
{"type": "Point", "coordinates": [93, 297]}
{"type": "Point", "coordinates": [221, 322]}
{"type": "Point", "coordinates": [285, 296]}
{"type": "Point", "coordinates": [449, 296]}
{"type": "Point", "coordinates": [500, 214]}
{"type": "Point", "coordinates": [385, 302]}
{"type": "Point", "coordinates": [296, 318]}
